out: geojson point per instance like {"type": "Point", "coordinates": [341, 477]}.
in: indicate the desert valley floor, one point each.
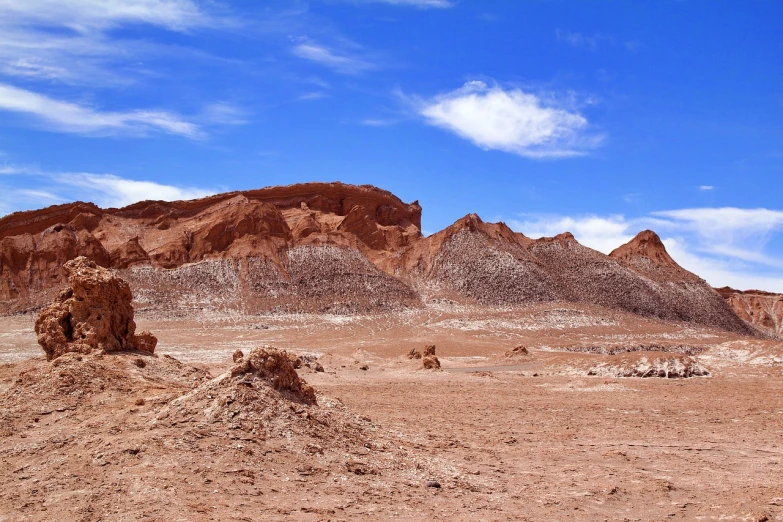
{"type": "Point", "coordinates": [551, 435]}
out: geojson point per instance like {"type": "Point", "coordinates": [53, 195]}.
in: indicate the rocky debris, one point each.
{"type": "Point", "coordinates": [517, 351]}
{"type": "Point", "coordinates": [414, 353]}
{"type": "Point", "coordinates": [429, 361]}
{"type": "Point", "coordinates": [275, 367]}
{"type": "Point", "coordinates": [237, 356]}
{"type": "Point", "coordinates": [648, 364]}
{"type": "Point", "coordinates": [94, 314]}
{"type": "Point", "coordinates": [73, 379]}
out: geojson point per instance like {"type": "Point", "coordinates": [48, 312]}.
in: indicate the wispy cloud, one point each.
{"type": "Point", "coordinates": [377, 122]}
{"type": "Point", "coordinates": [83, 15]}
{"type": "Point", "coordinates": [33, 188]}
{"type": "Point", "coordinates": [725, 246]}
{"type": "Point", "coordinates": [421, 4]}
{"type": "Point", "coordinates": [72, 42]}
{"type": "Point", "coordinates": [706, 187]}
{"type": "Point", "coordinates": [576, 39]}
{"type": "Point", "coordinates": [311, 96]}
{"type": "Point", "coordinates": [70, 117]}
{"type": "Point", "coordinates": [113, 191]}
{"type": "Point", "coordinates": [509, 120]}
{"type": "Point", "coordinates": [340, 61]}
{"type": "Point", "coordinates": [593, 41]}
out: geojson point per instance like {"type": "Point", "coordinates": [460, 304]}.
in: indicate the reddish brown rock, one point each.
{"type": "Point", "coordinates": [763, 310]}
{"type": "Point", "coordinates": [275, 367]}
{"type": "Point", "coordinates": [517, 351]}
{"type": "Point", "coordinates": [429, 361]}
{"type": "Point", "coordinates": [94, 314]}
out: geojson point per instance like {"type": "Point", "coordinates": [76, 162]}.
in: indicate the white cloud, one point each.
{"type": "Point", "coordinates": [735, 232]}
{"type": "Point", "coordinates": [34, 188]}
{"type": "Point", "coordinates": [339, 61]}
{"type": "Point", "coordinates": [706, 187]}
{"type": "Point", "coordinates": [725, 246]}
{"type": "Point", "coordinates": [600, 233]}
{"type": "Point", "coordinates": [108, 190]}
{"type": "Point", "coordinates": [70, 117]}
{"type": "Point", "coordinates": [509, 120]}
{"type": "Point", "coordinates": [726, 223]}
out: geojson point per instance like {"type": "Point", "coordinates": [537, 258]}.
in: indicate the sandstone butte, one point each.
{"type": "Point", "coordinates": [337, 248]}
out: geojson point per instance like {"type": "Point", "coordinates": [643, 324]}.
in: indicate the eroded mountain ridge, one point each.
{"type": "Point", "coordinates": [332, 247]}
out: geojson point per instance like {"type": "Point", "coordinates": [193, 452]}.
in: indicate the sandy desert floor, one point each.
{"type": "Point", "coordinates": [507, 438]}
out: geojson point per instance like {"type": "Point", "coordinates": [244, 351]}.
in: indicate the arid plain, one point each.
{"type": "Point", "coordinates": [573, 385]}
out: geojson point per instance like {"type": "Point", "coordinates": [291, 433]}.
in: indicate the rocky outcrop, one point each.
{"type": "Point", "coordinates": [275, 367]}
{"type": "Point", "coordinates": [93, 314]}
{"type": "Point", "coordinates": [330, 247]}
{"type": "Point", "coordinates": [242, 250]}
{"type": "Point", "coordinates": [646, 365]}
{"type": "Point", "coordinates": [763, 310]}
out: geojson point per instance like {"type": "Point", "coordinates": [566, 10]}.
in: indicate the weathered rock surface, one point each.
{"type": "Point", "coordinates": [93, 314]}
{"type": "Point", "coordinates": [764, 310]}
{"type": "Point", "coordinates": [276, 368]}
{"type": "Point", "coordinates": [650, 364]}
{"type": "Point", "coordinates": [429, 360]}
{"type": "Point", "coordinates": [517, 351]}
{"type": "Point", "coordinates": [335, 248]}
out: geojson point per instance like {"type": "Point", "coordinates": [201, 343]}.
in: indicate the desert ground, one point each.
{"type": "Point", "coordinates": [551, 435]}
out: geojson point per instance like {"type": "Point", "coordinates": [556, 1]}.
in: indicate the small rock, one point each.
{"type": "Point", "coordinates": [433, 484]}
{"type": "Point", "coordinates": [238, 355]}
{"type": "Point", "coordinates": [364, 367]}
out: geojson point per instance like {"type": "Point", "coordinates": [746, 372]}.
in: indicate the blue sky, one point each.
{"type": "Point", "coordinates": [602, 118]}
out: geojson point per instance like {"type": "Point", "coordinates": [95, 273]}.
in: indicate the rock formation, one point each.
{"type": "Point", "coordinates": [517, 351]}
{"type": "Point", "coordinates": [335, 248]}
{"type": "Point", "coordinates": [429, 361]}
{"type": "Point", "coordinates": [93, 314]}
{"type": "Point", "coordinates": [275, 367]}
{"type": "Point", "coordinates": [764, 310]}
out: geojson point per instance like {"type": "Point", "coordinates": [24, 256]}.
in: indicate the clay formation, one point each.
{"type": "Point", "coordinates": [93, 314]}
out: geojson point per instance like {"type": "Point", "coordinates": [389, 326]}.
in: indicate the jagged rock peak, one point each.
{"type": "Point", "coordinates": [646, 244]}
